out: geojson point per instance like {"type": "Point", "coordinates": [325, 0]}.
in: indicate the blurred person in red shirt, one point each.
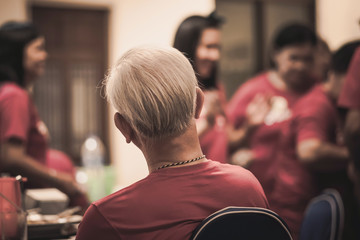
{"type": "Point", "coordinates": [262, 103]}
{"type": "Point", "coordinates": [311, 154]}
{"type": "Point", "coordinates": [23, 136]}
{"type": "Point", "coordinates": [199, 39]}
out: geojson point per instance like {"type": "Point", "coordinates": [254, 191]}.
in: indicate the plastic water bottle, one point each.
{"type": "Point", "coordinates": [93, 176]}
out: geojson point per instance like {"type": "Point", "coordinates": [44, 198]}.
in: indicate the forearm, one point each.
{"type": "Point", "coordinates": [15, 161]}
{"type": "Point", "coordinates": [322, 156]}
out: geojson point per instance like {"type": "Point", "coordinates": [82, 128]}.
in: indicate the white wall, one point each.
{"type": "Point", "coordinates": [338, 21]}
{"type": "Point", "coordinates": [12, 10]}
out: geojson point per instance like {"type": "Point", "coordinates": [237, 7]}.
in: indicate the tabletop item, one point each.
{"type": "Point", "coordinates": [49, 200]}
{"type": "Point", "coordinates": [12, 216]}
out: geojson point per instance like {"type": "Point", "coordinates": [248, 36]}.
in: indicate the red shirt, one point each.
{"type": "Point", "coordinates": [214, 142]}
{"type": "Point", "coordinates": [19, 119]}
{"type": "Point", "coordinates": [263, 142]}
{"type": "Point", "coordinates": [349, 96]}
{"type": "Point", "coordinates": [314, 116]}
{"type": "Point", "coordinates": [170, 203]}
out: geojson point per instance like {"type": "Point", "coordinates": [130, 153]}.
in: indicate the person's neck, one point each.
{"type": "Point", "coordinates": [29, 80]}
{"type": "Point", "coordinates": [277, 81]}
{"type": "Point", "coordinates": [173, 149]}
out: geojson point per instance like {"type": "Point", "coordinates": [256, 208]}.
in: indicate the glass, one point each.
{"type": "Point", "coordinates": [13, 225]}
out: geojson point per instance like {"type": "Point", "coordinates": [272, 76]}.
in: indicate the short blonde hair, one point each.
{"type": "Point", "coordinates": [154, 89]}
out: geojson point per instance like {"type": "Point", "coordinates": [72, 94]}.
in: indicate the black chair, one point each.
{"type": "Point", "coordinates": [324, 217]}
{"type": "Point", "coordinates": [242, 223]}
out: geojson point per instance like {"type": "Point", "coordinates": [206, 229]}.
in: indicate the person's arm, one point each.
{"type": "Point", "coordinates": [256, 111]}
{"type": "Point", "coordinates": [322, 156]}
{"type": "Point", "coordinates": [239, 138]}
{"type": "Point", "coordinates": [14, 160]}
{"type": "Point", "coordinates": [352, 135]}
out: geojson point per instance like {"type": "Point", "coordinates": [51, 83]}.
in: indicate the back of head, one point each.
{"type": "Point", "coordinates": [154, 89]}
{"type": "Point", "coordinates": [14, 36]}
{"type": "Point", "coordinates": [341, 59]}
{"type": "Point", "coordinates": [294, 34]}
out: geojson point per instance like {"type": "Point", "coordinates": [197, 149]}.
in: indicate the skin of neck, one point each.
{"type": "Point", "coordinates": [171, 149]}
{"type": "Point", "coordinates": [158, 152]}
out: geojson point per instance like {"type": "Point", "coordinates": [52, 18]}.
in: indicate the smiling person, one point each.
{"type": "Point", "coordinates": [156, 95]}
{"type": "Point", "coordinates": [24, 146]}
{"type": "Point", "coordinates": [260, 105]}
{"type": "Point", "coordinates": [199, 39]}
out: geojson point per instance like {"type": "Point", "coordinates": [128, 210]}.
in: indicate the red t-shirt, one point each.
{"type": "Point", "coordinates": [170, 203]}
{"type": "Point", "coordinates": [263, 142]}
{"type": "Point", "coordinates": [19, 119]}
{"type": "Point", "coordinates": [349, 96]}
{"type": "Point", "coordinates": [214, 142]}
{"type": "Point", "coordinates": [314, 116]}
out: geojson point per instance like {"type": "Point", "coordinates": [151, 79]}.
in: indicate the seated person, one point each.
{"type": "Point", "coordinates": [24, 142]}
{"type": "Point", "coordinates": [156, 95]}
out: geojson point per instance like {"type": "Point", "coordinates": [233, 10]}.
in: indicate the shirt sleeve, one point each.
{"type": "Point", "coordinates": [95, 226]}
{"type": "Point", "coordinates": [236, 108]}
{"type": "Point", "coordinates": [350, 93]}
{"type": "Point", "coordinates": [14, 117]}
{"type": "Point", "coordinates": [311, 122]}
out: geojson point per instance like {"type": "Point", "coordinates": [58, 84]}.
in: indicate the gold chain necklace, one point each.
{"type": "Point", "coordinates": [181, 163]}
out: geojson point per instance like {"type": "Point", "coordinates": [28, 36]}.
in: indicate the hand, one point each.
{"type": "Point", "coordinates": [257, 110]}
{"type": "Point", "coordinates": [68, 185]}
{"type": "Point", "coordinates": [242, 157]}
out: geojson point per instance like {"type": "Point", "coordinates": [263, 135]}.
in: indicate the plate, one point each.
{"type": "Point", "coordinates": [59, 228]}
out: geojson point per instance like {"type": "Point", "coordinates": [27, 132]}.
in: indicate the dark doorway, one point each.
{"type": "Point", "coordinates": [69, 95]}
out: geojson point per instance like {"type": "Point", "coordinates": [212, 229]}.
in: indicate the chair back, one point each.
{"type": "Point", "coordinates": [324, 217]}
{"type": "Point", "coordinates": [233, 223]}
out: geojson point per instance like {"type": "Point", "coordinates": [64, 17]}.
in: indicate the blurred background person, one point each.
{"type": "Point", "coordinates": [350, 101]}
{"type": "Point", "coordinates": [322, 60]}
{"type": "Point", "coordinates": [312, 156]}
{"type": "Point", "coordinates": [23, 136]}
{"type": "Point", "coordinates": [199, 39]}
{"type": "Point", "coordinates": [260, 105]}
{"type": "Point", "coordinates": [156, 95]}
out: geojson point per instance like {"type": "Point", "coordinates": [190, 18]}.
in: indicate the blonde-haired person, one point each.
{"type": "Point", "coordinates": [155, 93]}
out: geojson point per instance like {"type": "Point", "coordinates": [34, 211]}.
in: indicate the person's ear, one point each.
{"type": "Point", "coordinates": [124, 127]}
{"type": "Point", "coordinates": [199, 102]}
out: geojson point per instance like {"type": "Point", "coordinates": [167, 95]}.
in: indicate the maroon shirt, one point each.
{"type": "Point", "coordinates": [214, 143]}
{"type": "Point", "coordinates": [264, 141]}
{"type": "Point", "coordinates": [314, 117]}
{"type": "Point", "coordinates": [170, 203]}
{"type": "Point", "coordinates": [19, 119]}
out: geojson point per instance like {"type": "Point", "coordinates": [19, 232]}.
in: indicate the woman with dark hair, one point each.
{"type": "Point", "coordinates": [23, 136]}
{"type": "Point", "coordinates": [270, 96]}
{"type": "Point", "coordinates": [198, 38]}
